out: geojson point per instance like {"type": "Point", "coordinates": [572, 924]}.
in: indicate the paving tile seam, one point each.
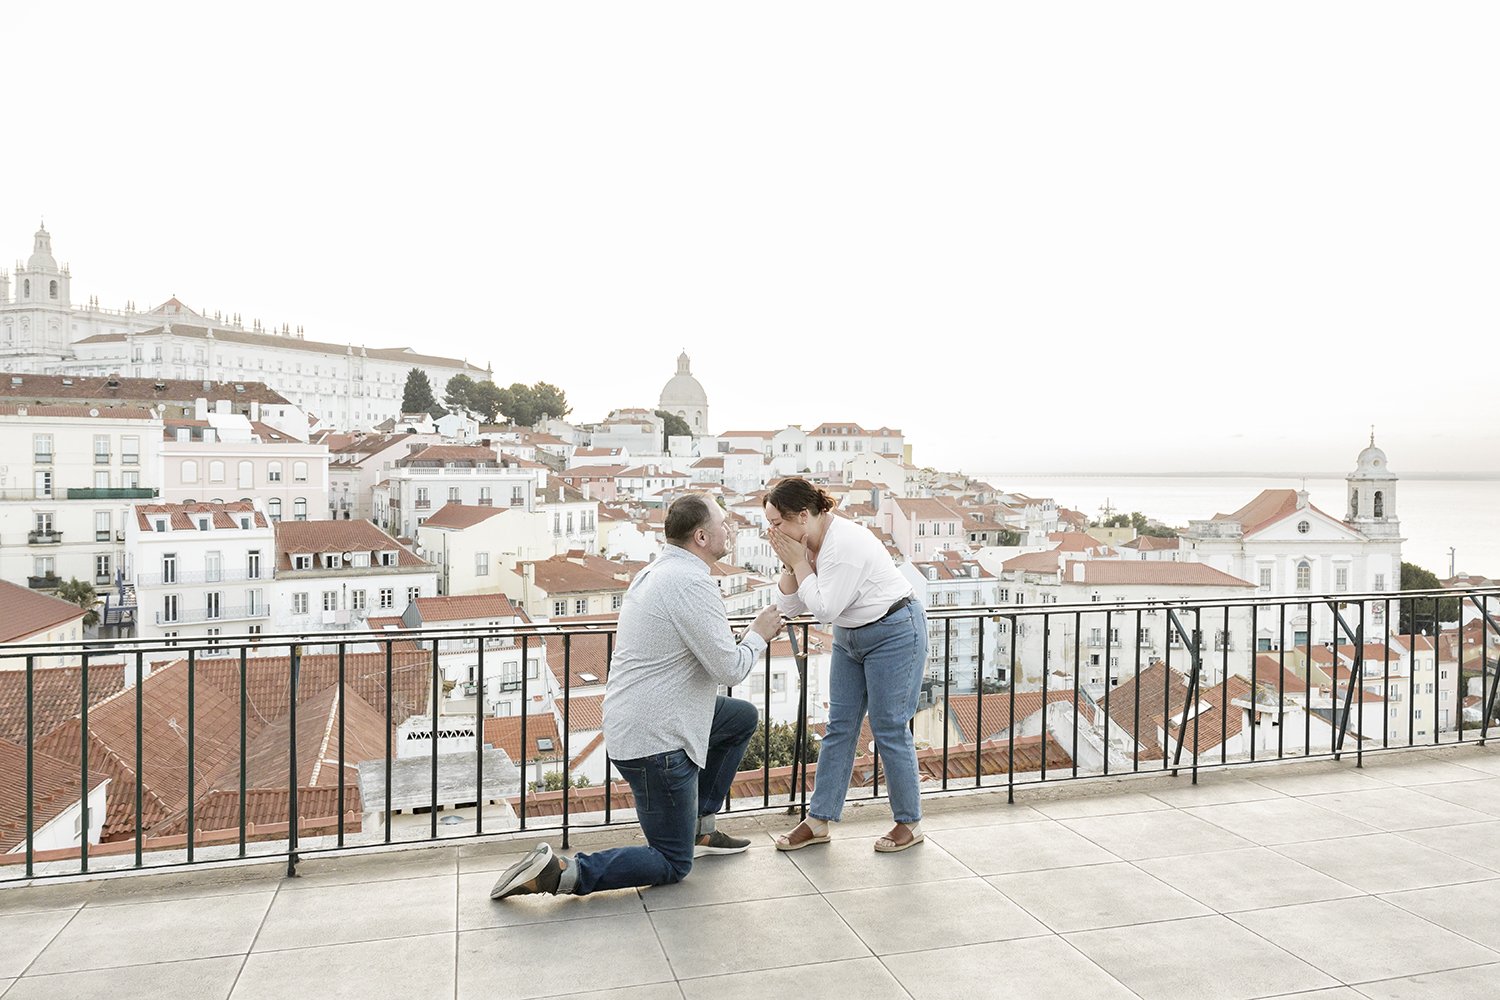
{"type": "Point", "coordinates": [1414, 913]}
{"type": "Point", "coordinates": [1457, 857]}
{"type": "Point", "coordinates": [1437, 927]}
{"type": "Point", "coordinates": [258, 928]}
{"type": "Point", "coordinates": [1356, 984]}
{"type": "Point", "coordinates": [1353, 889]}
{"type": "Point", "coordinates": [50, 942]}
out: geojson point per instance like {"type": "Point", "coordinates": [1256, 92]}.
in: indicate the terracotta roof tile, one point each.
{"type": "Point", "coordinates": [28, 612]}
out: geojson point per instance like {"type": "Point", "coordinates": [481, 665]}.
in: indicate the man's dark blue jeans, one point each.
{"type": "Point", "coordinates": [671, 793]}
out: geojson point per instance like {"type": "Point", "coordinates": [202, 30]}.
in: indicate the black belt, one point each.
{"type": "Point", "coordinates": [889, 611]}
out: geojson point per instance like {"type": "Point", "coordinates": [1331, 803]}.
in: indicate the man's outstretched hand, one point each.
{"type": "Point", "coordinates": [767, 623]}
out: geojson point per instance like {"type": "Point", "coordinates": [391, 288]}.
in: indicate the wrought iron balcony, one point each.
{"type": "Point", "coordinates": [112, 493]}
{"type": "Point", "coordinates": [44, 537]}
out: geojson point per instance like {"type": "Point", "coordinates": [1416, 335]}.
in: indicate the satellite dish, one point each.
{"type": "Point", "coordinates": [348, 557]}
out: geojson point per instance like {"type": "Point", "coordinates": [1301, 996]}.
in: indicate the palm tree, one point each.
{"type": "Point", "coordinates": [81, 593]}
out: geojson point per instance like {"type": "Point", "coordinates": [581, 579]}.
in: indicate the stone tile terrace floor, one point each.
{"type": "Point", "coordinates": [1315, 880]}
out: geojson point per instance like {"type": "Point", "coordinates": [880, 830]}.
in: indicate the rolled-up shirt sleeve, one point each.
{"type": "Point", "coordinates": [826, 593]}
{"type": "Point", "coordinates": [789, 604]}
{"type": "Point", "coordinates": [700, 619]}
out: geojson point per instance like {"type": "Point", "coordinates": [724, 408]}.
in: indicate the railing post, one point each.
{"type": "Point", "coordinates": [295, 664]}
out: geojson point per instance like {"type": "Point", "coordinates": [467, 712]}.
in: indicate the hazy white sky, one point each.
{"type": "Point", "coordinates": [1036, 237]}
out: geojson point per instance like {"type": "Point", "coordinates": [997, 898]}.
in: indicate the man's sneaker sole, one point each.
{"type": "Point", "coordinates": [522, 871]}
{"type": "Point", "coordinates": [706, 850]}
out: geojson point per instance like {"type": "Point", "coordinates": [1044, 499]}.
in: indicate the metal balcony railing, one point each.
{"type": "Point", "coordinates": [227, 613]}
{"type": "Point", "coordinates": [47, 537]}
{"type": "Point", "coordinates": [112, 493]}
{"type": "Point", "coordinates": [234, 699]}
{"type": "Point", "coordinates": [199, 577]}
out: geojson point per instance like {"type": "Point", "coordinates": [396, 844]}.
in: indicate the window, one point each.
{"type": "Point", "coordinates": [246, 474]}
{"type": "Point", "coordinates": [330, 600]}
{"type": "Point", "coordinates": [101, 480]}
{"type": "Point", "coordinates": [41, 446]}
{"type": "Point", "coordinates": [412, 593]}
{"type": "Point", "coordinates": [101, 568]}
{"type": "Point", "coordinates": [254, 602]}
{"type": "Point", "coordinates": [517, 496]}
{"type": "Point", "coordinates": [356, 600]}
{"type": "Point", "coordinates": [1265, 577]}
{"type": "Point", "coordinates": [101, 449]}
{"type": "Point", "coordinates": [559, 608]}
{"type": "Point", "coordinates": [213, 566]}
{"type": "Point", "coordinates": [101, 526]}
{"type": "Point", "coordinates": [615, 601]}
{"type": "Point", "coordinates": [1304, 574]}
{"type": "Point", "coordinates": [484, 496]}
{"type": "Point", "coordinates": [216, 471]}
{"type": "Point", "coordinates": [1379, 581]}
{"type": "Point", "coordinates": [299, 472]}
{"type": "Point", "coordinates": [130, 480]}
{"type": "Point", "coordinates": [581, 606]}
{"type": "Point", "coordinates": [1096, 636]}
{"type": "Point", "coordinates": [52, 288]}
{"type": "Point", "coordinates": [1379, 503]}
{"type": "Point", "coordinates": [1341, 579]}
{"type": "Point", "coordinates": [212, 605]}
{"type": "Point", "coordinates": [453, 496]}
{"type": "Point", "coordinates": [169, 608]}
{"type": "Point", "coordinates": [273, 508]}
{"type": "Point", "coordinates": [299, 509]}
{"type": "Point", "coordinates": [273, 472]}
{"type": "Point", "coordinates": [299, 603]}
{"type": "Point", "coordinates": [387, 597]}
{"type": "Point", "coordinates": [43, 485]}
{"type": "Point", "coordinates": [302, 560]}
{"type": "Point", "coordinates": [189, 471]}
{"type": "Point", "coordinates": [1003, 595]}
{"type": "Point", "coordinates": [1303, 527]}
{"type": "Point", "coordinates": [252, 564]}
{"type": "Point", "coordinates": [556, 523]}
{"type": "Point", "coordinates": [169, 567]}
{"type": "Point", "coordinates": [130, 449]}
{"type": "Point", "coordinates": [481, 564]}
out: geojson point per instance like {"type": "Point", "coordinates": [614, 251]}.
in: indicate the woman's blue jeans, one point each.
{"type": "Point", "coordinates": [877, 668]}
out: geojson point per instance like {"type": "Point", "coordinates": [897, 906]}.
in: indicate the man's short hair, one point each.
{"type": "Point", "coordinates": [686, 515]}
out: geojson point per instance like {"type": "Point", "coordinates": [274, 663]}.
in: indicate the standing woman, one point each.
{"type": "Point", "coordinates": [839, 572]}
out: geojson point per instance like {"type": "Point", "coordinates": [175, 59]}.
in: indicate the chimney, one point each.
{"type": "Point", "coordinates": [1301, 499]}
{"type": "Point", "coordinates": [1078, 572]}
{"type": "Point", "coordinates": [254, 409]}
{"type": "Point", "coordinates": [200, 409]}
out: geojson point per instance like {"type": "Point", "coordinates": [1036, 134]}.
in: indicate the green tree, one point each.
{"type": "Point", "coordinates": [529, 405]}
{"type": "Point", "coordinates": [550, 401]}
{"type": "Point", "coordinates": [783, 743]}
{"type": "Point", "coordinates": [1419, 610]}
{"type": "Point", "coordinates": [418, 395]}
{"type": "Point", "coordinates": [485, 401]}
{"type": "Point", "coordinates": [459, 394]}
{"type": "Point", "coordinates": [81, 593]}
{"type": "Point", "coordinates": [518, 404]}
{"type": "Point", "coordinates": [552, 781]}
{"type": "Point", "coordinates": [673, 425]}
{"type": "Point", "coordinates": [1008, 537]}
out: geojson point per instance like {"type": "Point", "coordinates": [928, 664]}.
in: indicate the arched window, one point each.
{"type": "Point", "coordinates": [26, 288]}
{"type": "Point", "coordinates": [299, 472]}
{"type": "Point", "coordinates": [273, 508]}
{"type": "Point", "coordinates": [1379, 503]}
{"type": "Point", "coordinates": [1304, 575]}
{"type": "Point", "coordinates": [216, 471]}
{"type": "Point", "coordinates": [190, 471]}
{"type": "Point", "coordinates": [52, 290]}
{"type": "Point", "coordinates": [247, 475]}
{"type": "Point", "coordinates": [299, 509]}
{"type": "Point", "coordinates": [1354, 502]}
{"type": "Point", "coordinates": [273, 472]}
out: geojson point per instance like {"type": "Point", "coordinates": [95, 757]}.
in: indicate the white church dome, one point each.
{"type": "Point", "coordinates": [682, 389]}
